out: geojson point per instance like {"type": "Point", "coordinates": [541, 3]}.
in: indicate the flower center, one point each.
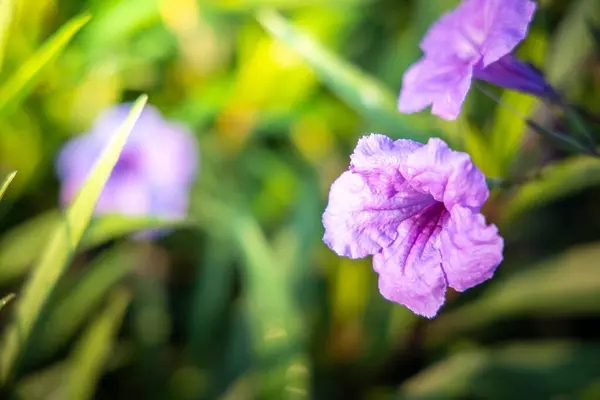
{"type": "Point", "coordinates": [434, 212]}
{"type": "Point", "coordinates": [127, 163]}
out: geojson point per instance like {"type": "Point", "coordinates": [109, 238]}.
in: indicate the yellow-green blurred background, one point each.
{"type": "Point", "coordinates": [244, 301]}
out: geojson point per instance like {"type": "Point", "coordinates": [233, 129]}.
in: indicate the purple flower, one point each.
{"type": "Point", "coordinates": [473, 41]}
{"type": "Point", "coordinates": [415, 208]}
{"type": "Point", "coordinates": [153, 175]}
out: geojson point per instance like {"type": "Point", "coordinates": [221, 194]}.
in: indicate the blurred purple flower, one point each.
{"type": "Point", "coordinates": [415, 208]}
{"type": "Point", "coordinates": [153, 175]}
{"type": "Point", "coordinates": [473, 41]}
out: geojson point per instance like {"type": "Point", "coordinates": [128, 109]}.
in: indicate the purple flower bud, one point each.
{"type": "Point", "coordinates": [473, 41]}
{"type": "Point", "coordinates": [153, 175]}
{"type": "Point", "coordinates": [510, 73]}
{"type": "Point", "coordinates": [415, 208]}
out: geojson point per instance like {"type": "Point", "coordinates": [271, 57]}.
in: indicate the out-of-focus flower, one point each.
{"type": "Point", "coordinates": [415, 208]}
{"type": "Point", "coordinates": [473, 41]}
{"type": "Point", "coordinates": [154, 172]}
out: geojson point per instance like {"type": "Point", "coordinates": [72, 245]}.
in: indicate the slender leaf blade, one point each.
{"type": "Point", "coordinates": [544, 369]}
{"type": "Point", "coordinates": [7, 10]}
{"type": "Point", "coordinates": [363, 93]}
{"type": "Point", "coordinates": [556, 181]}
{"type": "Point", "coordinates": [275, 323]}
{"type": "Point", "coordinates": [18, 85]}
{"type": "Point", "coordinates": [572, 43]}
{"type": "Point", "coordinates": [60, 249]}
{"type": "Point", "coordinates": [241, 6]}
{"type": "Point", "coordinates": [19, 247]}
{"type": "Point", "coordinates": [93, 350]}
{"type": "Point", "coordinates": [566, 285]}
{"type": "Point", "coordinates": [9, 178]}
{"type": "Point", "coordinates": [6, 299]}
{"type": "Point", "coordinates": [79, 302]}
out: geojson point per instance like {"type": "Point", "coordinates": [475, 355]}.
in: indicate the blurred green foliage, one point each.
{"type": "Point", "coordinates": [243, 300]}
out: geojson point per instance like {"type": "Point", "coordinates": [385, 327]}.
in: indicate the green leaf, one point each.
{"type": "Point", "coordinates": [566, 285]}
{"type": "Point", "coordinates": [363, 93]}
{"type": "Point", "coordinates": [478, 147]}
{"type": "Point", "coordinates": [213, 289]}
{"type": "Point", "coordinates": [556, 181]}
{"type": "Point", "coordinates": [447, 379]}
{"type": "Point", "coordinates": [19, 84]}
{"type": "Point", "coordinates": [74, 308]}
{"type": "Point", "coordinates": [115, 21]}
{"type": "Point", "coordinates": [245, 5]}
{"type": "Point", "coordinates": [108, 227]}
{"type": "Point", "coordinates": [236, 356]}
{"type": "Point", "coordinates": [6, 299]}
{"type": "Point", "coordinates": [20, 246]}
{"type": "Point", "coordinates": [46, 383]}
{"type": "Point", "coordinates": [532, 370]}
{"type": "Point", "coordinates": [508, 129]}
{"type": "Point", "coordinates": [60, 248]}
{"type": "Point", "coordinates": [573, 43]}
{"type": "Point", "coordinates": [509, 123]}
{"type": "Point", "coordinates": [151, 323]}
{"type": "Point", "coordinates": [94, 349]}
{"type": "Point", "coordinates": [275, 321]}
{"type": "Point", "coordinates": [7, 10]}
{"type": "Point", "coordinates": [9, 178]}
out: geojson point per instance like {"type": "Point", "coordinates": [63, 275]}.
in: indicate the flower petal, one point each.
{"type": "Point", "coordinates": [459, 32]}
{"type": "Point", "coordinates": [77, 157]}
{"type": "Point", "coordinates": [487, 29]}
{"type": "Point", "coordinates": [125, 195]}
{"type": "Point", "coordinates": [154, 172]}
{"type": "Point", "coordinates": [377, 159]}
{"type": "Point", "coordinates": [507, 22]}
{"type": "Point", "coordinates": [359, 221]}
{"type": "Point", "coordinates": [510, 73]}
{"type": "Point", "coordinates": [444, 85]}
{"type": "Point", "coordinates": [471, 250]}
{"type": "Point", "coordinates": [410, 271]}
{"type": "Point", "coordinates": [170, 204]}
{"type": "Point", "coordinates": [169, 157]}
{"type": "Point", "coordinates": [449, 176]}
{"type": "Point", "coordinates": [112, 118]}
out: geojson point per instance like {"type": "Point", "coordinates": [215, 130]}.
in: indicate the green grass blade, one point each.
{"type": "Point", "coordinates": [122, 19]}
{"type": "Point", "coordinates": [7, 10]}
{"type": "Point", "coordinates": [245, 5]}
{"type": "Point", "coordinates": [211, 295]}
{"type": "Point", "coordinates": [6, 299]}
{"type": "Point", "coordinates": [572, 44]}
{"type": "Point", "coordinates": [20, 246]}
{"type": "Point", "coordinates": [447, 379]}
{"type": "Point", "coordinates": [17, 85]}
{"type": "Point", "coordinates": [557, 181]}
{"type": "Point", "coordinates": [366, 95]}
{"type": "Point", "coordinates": [47, 384]}
{"type": "Point", "coordinates": [80, 301]}
{"type": "Point", "coordinates": [60, 249]}
{"type": "Point", "coordinates": [108, 227]}
{"type": "Point", "coordinates": [93, 350]}
{"type": "Point", "coordinates": [275, 320]}
{"type": "Point", "coordinates": [275, 333]}
{"type": "Point", "coordinates": [540, 369]}
{"type": "Point", "coordinates": [567, 285]}
{"type": "Point", "coordinates": [236, 356]}
{"type": "Point", "coordinates": [9, 178]}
